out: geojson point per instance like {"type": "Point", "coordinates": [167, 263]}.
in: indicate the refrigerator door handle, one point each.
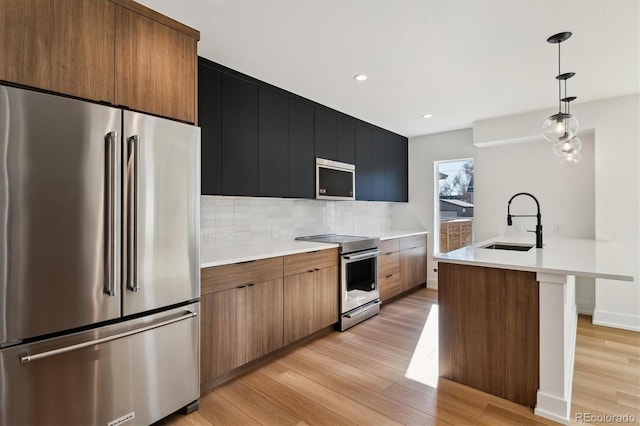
{"type": "Point", "coordinates": [26, 358]}
{"type": "Point", "coordinates": [112, 211]}
{"type": "Point", "coordinates": [133, 171]}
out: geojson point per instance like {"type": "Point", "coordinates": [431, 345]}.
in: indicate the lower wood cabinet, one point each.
{"type": "Point", "coordinates": [413, 267]}
{"type": "Point", "coordinates": [242, 316]}
{"type": "Point", "coordinates": [264, 318]}
{"type": "Point", "coordinates": [389, 273]}
{"type": "Point", "coordinates": [403, 265]}
{"type": "Point", "coordinates": [222, 329]}
{"type": "Point", "coordinates": [251, 309]}
{"type": "Point", "coordinates": [311, 296]}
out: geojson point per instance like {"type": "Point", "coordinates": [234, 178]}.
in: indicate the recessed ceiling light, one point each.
{"type": "Point", "coordinates": [426, 116]}
{"type": "Point", "coordinates": [360, 77]}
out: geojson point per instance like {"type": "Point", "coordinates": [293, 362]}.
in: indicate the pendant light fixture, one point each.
{"type": "Point", "coordinates": [562, 128]}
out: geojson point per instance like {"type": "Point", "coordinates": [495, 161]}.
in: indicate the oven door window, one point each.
{"type": "Point", "coordinates": [361, 275]}
{"type": "Point", "coordinates": [359, 282]}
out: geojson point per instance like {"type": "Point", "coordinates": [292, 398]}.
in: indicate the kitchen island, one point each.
{"type": "Point", "coordinates": [508, 318]}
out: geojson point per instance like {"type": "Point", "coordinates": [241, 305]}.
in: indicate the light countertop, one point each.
{"type": "Point", "coordinates": [567, 256]}
{"type": "Point", "coordinates": [243, 253]}
{"type": "Point", "coordinates": [217, 256]}
{"type": "Point", "coordinates": [389, 235]}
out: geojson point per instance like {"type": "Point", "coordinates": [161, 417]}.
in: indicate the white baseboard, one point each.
{"type": "Point", "coordinates": [432, 283]}
{"type": "Point", "coordinates": [550, 416]}
{"type": "Point", "coordinates": [585, 307]}
{"type": "Point", "coordinates": [615, 320]}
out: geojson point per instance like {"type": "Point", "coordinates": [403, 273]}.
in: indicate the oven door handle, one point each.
{"type": "Point", "coordinates": [361, 256]}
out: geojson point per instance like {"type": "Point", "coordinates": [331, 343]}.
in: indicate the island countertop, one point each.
{"type": "Point", "coordinates": [567, 256]}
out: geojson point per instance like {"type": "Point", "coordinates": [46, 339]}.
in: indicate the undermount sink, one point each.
{"type": "Point", "coordinates": [509, 246]}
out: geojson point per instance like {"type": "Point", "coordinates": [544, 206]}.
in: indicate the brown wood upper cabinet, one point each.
{"type": "Point", "coordinates": [155, 67]}
{"type": "Point", "coordinates": [64, 46]}
{"type": "Point", "coordinates": [113, 51]}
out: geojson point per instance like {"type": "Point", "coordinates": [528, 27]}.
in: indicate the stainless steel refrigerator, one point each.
{"type": "Point", "coordinates": [99, 263]}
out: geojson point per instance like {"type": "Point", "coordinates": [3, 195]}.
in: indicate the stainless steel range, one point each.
{"type": "Point", "coordinates": [359, 292]}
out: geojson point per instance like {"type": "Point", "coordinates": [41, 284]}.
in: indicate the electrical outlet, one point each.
{"type": "Point", "coordinates": [556, 229]}
{"type": "Point", "coordinates": [275, 232]}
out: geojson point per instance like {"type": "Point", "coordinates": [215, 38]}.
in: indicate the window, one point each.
{"type": "Point", "coordinates": [453, 204]}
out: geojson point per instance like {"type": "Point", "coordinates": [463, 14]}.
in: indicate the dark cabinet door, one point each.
{"type": "Point", "coordinates": [403, 169]}
{"type": "Point", "coordinates": [377, 165]}
{"type": "Point", "coordinates": [239, 137]}
{"type": "Point", "coordinates": [301, 158]}
{"type": "Point", "coordinates": [210, 121]}
{"type": "Point", "coordinates": [363, 161]}
{"type": "Point", "coordinates": [273, 144]}
{"type": "Point", "coordinates": [390, 175]}
{"type": "Point", "coordinates": [391, 160]}
{"type": "Point", "coordinates": [346, 139]}
{"type": "Point", "coordinates": [325, 133]}
{"type": "Point", "coordinates": [395, 157]}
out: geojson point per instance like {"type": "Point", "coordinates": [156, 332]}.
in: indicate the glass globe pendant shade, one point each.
{"type": "Point", "coordinates": [560, 127]}
{"type": "Point", "coordinates": [570, 159]}
{"type": "Point", "coordinates": [567, 148]}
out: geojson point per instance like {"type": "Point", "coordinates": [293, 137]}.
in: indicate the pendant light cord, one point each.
{"type": "Point", "coordinates": [559, 82]}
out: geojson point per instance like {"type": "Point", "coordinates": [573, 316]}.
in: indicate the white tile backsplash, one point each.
{"type": "Point", "coordinates": [228, 221]}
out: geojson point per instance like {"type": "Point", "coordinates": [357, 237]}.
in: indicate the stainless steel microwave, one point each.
{"type": "Point", "coordinates": [335, 180]}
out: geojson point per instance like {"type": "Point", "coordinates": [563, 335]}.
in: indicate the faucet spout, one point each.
{"type": "Point", "coordinates": [538, 216]}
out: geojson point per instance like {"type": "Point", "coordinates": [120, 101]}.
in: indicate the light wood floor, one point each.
{"type": "Point", "coordinates": [382, 372]}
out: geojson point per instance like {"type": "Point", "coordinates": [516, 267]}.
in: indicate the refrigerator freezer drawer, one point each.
{"type": "Point", "coordinates": [131, 373]}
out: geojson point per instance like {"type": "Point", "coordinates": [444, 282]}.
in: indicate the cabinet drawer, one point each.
{"type": "Point", "coordinates": [304, 262]}
{"type": "Point", "coordinates": [389, 285]}
{"type": "Point", "coordinates": [413, 241]}
{"type": "Point", "coordinates": [221, 278]}
{"type": "Point", "coordinates": [389, 246]}
{"type": "Point", "coordinates": [389, 264]}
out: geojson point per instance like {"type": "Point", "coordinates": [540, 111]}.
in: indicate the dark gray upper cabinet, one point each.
{"type": "Point", "coordinates": [273, 144]}
{"type": "Point", "coordinates": [403, 169]}
{"type": "Point", "coordinates": [302, 172]}
{"type": "Point", "coordinates": [345, 139]}
{"type": "Point", "coordinates": [239, 137]}
{"type": "Point", "coordinates": [377, 165]}
{"type": "Point", "coordinates": [259, 140]}
{"type": "Point", "coordinates": [210, 120]}
{"type": "Point", "coordinates": [364, 169]}
{"type": "Point", "coordinates": [391, 172]}
{"type": "Point", "coordinates": [325, 133]}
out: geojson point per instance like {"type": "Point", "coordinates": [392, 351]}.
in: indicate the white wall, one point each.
{"type": "Point", "coordinates": [566, 194]}
{"type": "Point", "coordinates": [616, 123]}
{"type": "Point", "coordinates": [229, 221]}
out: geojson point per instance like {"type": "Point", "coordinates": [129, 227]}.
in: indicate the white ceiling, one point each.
{"type": "Point", "coordinates": [460, 60]}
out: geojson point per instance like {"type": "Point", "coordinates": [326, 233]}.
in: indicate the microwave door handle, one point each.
{"type": "Point", "coordinates": [367, 255]}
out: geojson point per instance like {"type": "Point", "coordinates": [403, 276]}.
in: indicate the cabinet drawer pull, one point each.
{"type": "Point", "coordinates": [251, 284]}
{"type": "Point", "coordinates": [388, 276]}
{"type": "Point", "coordinates": [310, 270]}
{"type": "Point", "coordinates": [241, 286]}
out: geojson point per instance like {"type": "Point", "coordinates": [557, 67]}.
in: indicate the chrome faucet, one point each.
{"type": "Point", "coordinates": [538, 230]}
